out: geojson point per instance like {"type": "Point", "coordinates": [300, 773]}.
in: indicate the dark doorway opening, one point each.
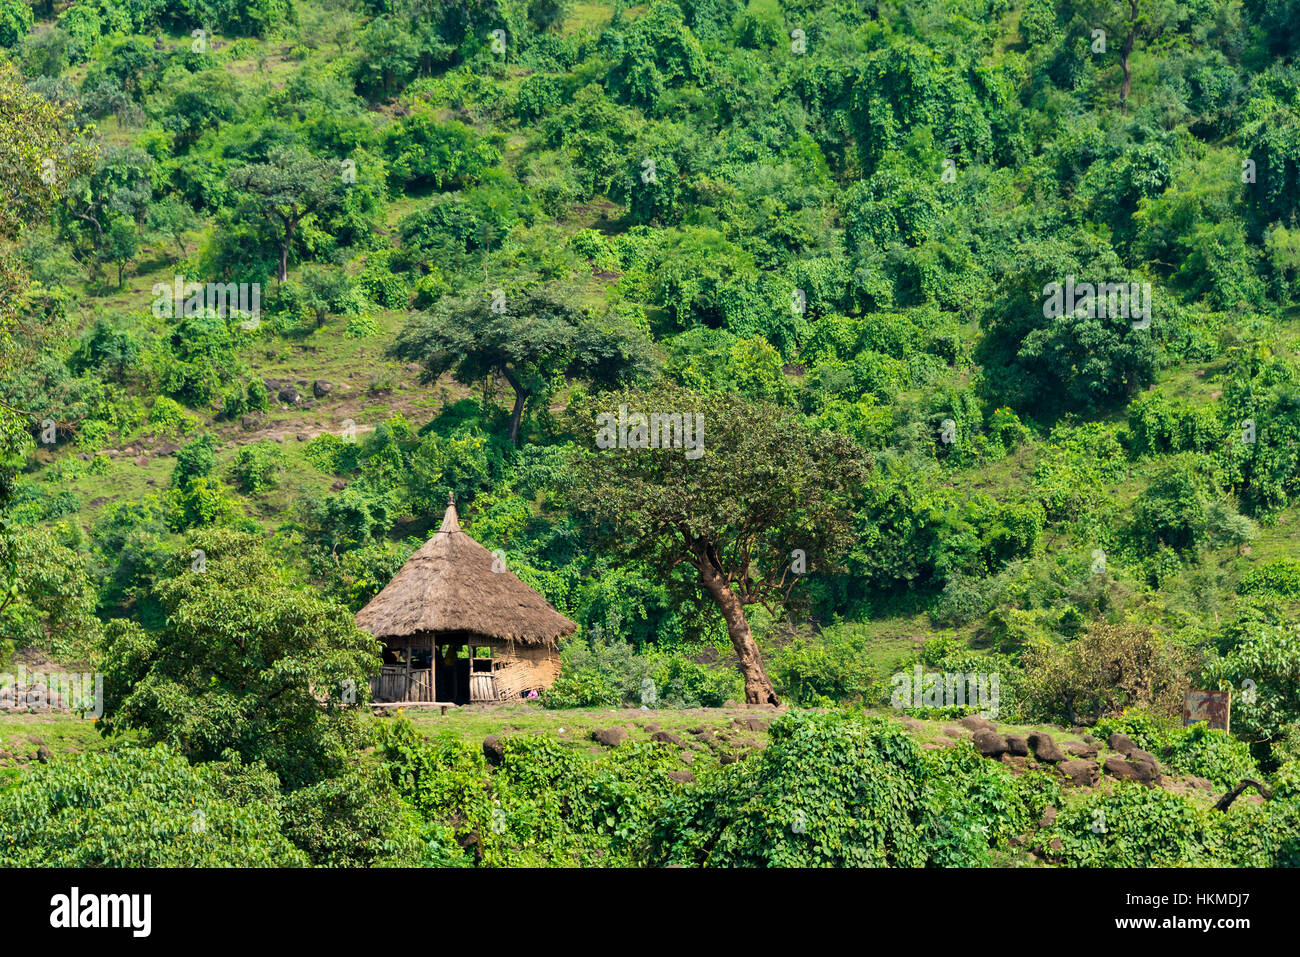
{"type": "Point", "coordinates": [451, 674]}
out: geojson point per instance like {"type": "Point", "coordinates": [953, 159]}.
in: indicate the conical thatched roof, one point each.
{"type": "Point", "coordinates": [449, 586]}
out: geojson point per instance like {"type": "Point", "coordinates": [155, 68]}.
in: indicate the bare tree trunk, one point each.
{"type": "Point", "coordinates": [758, 687]}
{"type": "Point", "coordinates": [1128, 74]}
{"type": "Point", "coordinates": [517, 413]}
{"type": "Point", "coordinates": [1125, 52]}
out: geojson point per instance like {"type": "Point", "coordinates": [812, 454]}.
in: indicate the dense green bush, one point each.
{"type": "Point", "coordinates": [136, 807]}
{"type": "Point", "coordinates": [256, 467]}
{"type": "Point", "coordinates": [830, 669]}
{"type": "Point", "coordinates": [1133, 826]}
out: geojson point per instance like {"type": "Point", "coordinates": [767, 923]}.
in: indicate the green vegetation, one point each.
{"type": "Point", "coordinates": [785, 347]}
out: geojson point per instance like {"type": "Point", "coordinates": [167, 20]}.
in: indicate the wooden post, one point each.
{"type": "Point", "coordinates": [406, 695]}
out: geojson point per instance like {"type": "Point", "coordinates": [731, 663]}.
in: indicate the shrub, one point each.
{"type": "Point", "coordinates": [444, 155]}
{"type": "Point", "coordinates": [830, 669]}
{"type": "Point", "coordinates": [331, 454]}
{"type": "Point", "coordinates": [1109, 668]}
{"type": "Point", "coordinates": [135, 807]}
{"type": "Point", "coordinates": [256, 467]}
{"type": "Point", "coordinates": [195, 459]}
{"type": "Point", "coordinates": [353, 820]}
{"type": "Point", "coordinates": [595, 671]}
{"type": "Point", "coordinates": [1132, 826]}
{"type": "Point", "coordinates": [1270, 659]}
{"type": "Point", "coordinates": [1212, 754]}
{"type": "Point", "coordinates": [836, 789]}
{"type": "Point", "coordinates": [682, 683]}
{"type": "Point", "coordinates": [1280, 577]}
{"type": "Point", "coordinates": [167, 414]}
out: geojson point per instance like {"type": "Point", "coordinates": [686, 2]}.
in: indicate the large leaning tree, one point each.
{"type": "Point", "coordinates": [758, 504]}
{"type": "Point", "coordinates": [528, 337]}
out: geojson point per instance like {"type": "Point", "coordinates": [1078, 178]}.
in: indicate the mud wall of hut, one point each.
{"type": "Point", "coordinates": [521, 667]}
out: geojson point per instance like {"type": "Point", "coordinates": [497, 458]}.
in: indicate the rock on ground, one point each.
{"type": "Point", "coordinates": [1044, 748]}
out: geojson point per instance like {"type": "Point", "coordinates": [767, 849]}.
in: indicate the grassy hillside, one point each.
{"type": "Point", "coordinates": [844, 235]}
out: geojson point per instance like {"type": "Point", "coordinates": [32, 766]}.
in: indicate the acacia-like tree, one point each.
{"type": "Point", "coordinates": [292, 185]}
{"type": "Point", "coordinates": [527, 338]}
{"type": "Point", "coordinates": [767, 502]}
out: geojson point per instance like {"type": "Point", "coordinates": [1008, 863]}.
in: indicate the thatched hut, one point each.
{"type": "Point", "coordinates": [458, 626]}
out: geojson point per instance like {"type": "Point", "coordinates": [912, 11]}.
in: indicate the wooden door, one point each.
{"type": "Point", "coordinates": [482, 681]}
{"type": "Point", "coordinates": [482, 686]}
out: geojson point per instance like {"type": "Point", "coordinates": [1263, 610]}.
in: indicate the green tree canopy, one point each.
{"type": "Point", "coordinates": [248, 661]}
{"type": "Point", "coordinates": [764, 501]}
{"type": "Point", "coordinates": [527, 337]}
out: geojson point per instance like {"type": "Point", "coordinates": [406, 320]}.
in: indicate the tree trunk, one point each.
{"type": "Point", "coordinates": [758, 687]}
{"type": "Point", "coordinates": [283, 274]}
{"type": "Point", "coordinates": [1128, 74]}
{"type": "Point", "coordinates": [1124, 53]}
{"type": "Point", "coordinates": [517, 413]}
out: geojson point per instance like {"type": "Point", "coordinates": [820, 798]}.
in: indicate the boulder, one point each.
{"type": "Point", "coordinates": [610, 737]}
{"type": "Point", "coordinates": [1049, 817]}
{"type": "Point", "coordinates": [943, 742]}
{"type": "Point", "coordinates": [755, 724]}
{"type": "Point", "coordinates": [1126, 770]}
{"type": "Point", "coordinates": [320, 388]}
{"type": "Point", "coordinates": [1147, 760]}
{"type": "Point", "coordinates": [667, 737]}
{"type": "Point", "coordinates": [43, 754]}
{"type": "Point", "coordinates": [681, 777]}
{"type": "Point", "coordinates": [974, 722]}
{"type": "Point", "coordinates": [1017, 745]}
{"type": "Point", "coordinates": [1082, 773]}
{"type": "Point", "coordinates": [1120, 742]}
{"type": "Point", "coordinates": [1145, 757]}
{"type": "Point", "coordinates": [953, 731]}
{"type": "Point", "coordinates": [990, 744]}
{"type": "Point", "coordinates": [289, 395]}
{"type": "Point", "coordinates": [1080, 750]}
{"type": "Point", "coordinates": [492, 750]}
{"type": "Point", "coordinates": [1044, 748]}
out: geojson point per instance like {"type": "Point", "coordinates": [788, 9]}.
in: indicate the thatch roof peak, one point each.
{"type": "Point", "coordinates": [450, 520]}
{"type": "Point", "coordinates": [454, 584]}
